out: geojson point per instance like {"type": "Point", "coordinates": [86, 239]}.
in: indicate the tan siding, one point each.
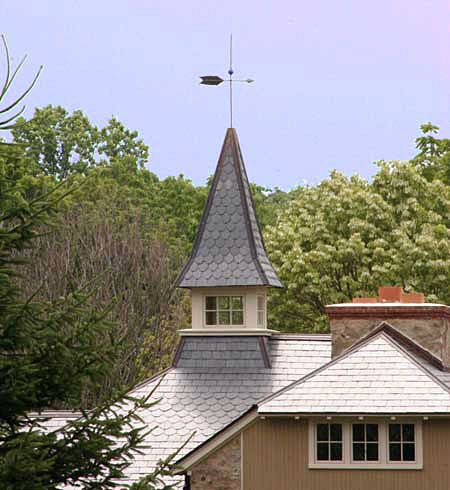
{"type": "Point", "coordinates": [275, 457]}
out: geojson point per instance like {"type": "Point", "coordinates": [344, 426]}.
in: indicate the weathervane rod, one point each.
{"type": "Point", "coordinates": [215, 80]}
{"type": "Point", "coordinates": [230, 72]}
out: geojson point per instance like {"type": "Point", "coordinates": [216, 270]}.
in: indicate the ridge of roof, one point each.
{"type": "Point", "coordinates": [229, 249]}
{"type": "Point", "coordinates": [384, 329]}
{"type": "Point", "coordinates": [56, 414]}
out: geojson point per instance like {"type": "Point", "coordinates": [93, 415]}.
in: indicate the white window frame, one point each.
{"type": "Point", "coordinates": [401, 442]}
{"type": "Point", "coordinates": [383, 462]}
{"type": "Point", "coordinates": [381, 441]}
{"type": "Point", "coordinates": [264, 310]}
{"type": "Point", "coordinates": [230, 325]}
{"type": "Point", "coordinates": [330, 462]}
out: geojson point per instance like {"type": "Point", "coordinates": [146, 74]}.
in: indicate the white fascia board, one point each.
{"type": "Point", "coordinates": [215, 442]}
{"type": "Point", "coordinates": [226, 332]}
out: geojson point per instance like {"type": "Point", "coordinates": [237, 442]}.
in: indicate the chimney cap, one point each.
{"type": "Point", "coordinates": [392, 294]}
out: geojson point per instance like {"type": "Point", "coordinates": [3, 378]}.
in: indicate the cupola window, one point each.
{"type": "Point", "coordinates": [224, 310]}
{"type": "Point", "coordinates": [261, 310]}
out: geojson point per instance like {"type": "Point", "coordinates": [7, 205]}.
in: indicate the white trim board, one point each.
{"type": "Point", "coordinates": [215, 442]}
{"type": "Point", "coordinates": [226, 332]}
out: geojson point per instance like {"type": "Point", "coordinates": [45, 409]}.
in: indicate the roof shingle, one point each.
{"type": "Point", "coordinates": [205, 396]}
{"type": "Point", "coordinates": [379, 376]}
{"type": "Point", "coordinates": [229, 248]}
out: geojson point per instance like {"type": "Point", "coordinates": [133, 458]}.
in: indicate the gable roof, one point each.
{"type": "Point", "coordinates": [377, 375]}
{"type": "Point", "coordinates": [229, 248]}
{"type": "Point", "coordinates": [383, 338]}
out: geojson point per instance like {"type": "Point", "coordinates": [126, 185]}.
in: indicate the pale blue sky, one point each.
{"type": "Point", "coordinates": [338, 83]}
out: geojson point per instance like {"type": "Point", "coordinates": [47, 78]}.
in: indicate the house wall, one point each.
{"type": "Point", "coordinates": [221, 470]}
{"type": "Point", "coordinates": [275, 457]}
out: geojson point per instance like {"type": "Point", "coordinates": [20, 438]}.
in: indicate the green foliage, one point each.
{"type": "Point", "coordinates": [50, 352]}
{"type": "Point", "coordinates": [433, 158]}
{"type": "Point", "coordinates": [59, 143]}
{"type": "Point", "coordinates": [345, 237]}
{"type": "Point", "coordinates": [131, 232]}
{"type": "Point", "coordinates": [9, 110]}
{"type": "Point", "coordinates": [63, 144]}
{"type": "Point", "coordinates": [269, 204]}
{"type": "Point", "coordinates": [49, 349]}
{"type": "Point", "coordinates": [116, 141]}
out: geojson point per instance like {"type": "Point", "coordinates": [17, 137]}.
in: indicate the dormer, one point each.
{"type": "Point", "coordinates": [228, 271]}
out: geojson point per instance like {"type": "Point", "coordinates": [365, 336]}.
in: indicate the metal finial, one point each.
{"type": "Point", "coordinates": [230, 72]}
{"type": "Point", "coordinates": [216, 80]}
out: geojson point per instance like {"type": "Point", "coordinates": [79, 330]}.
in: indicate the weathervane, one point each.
{"type": "Point", "coordinates": [215, 80]}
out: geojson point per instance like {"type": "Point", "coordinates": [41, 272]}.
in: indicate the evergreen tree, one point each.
{"type": "Point", "coordinates": [49, 351]}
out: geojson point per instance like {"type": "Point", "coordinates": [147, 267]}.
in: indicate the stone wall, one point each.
{"type": "Point", "coordinates": [432, 334]}
{"type": "Point", "coordinates": [221, 470]}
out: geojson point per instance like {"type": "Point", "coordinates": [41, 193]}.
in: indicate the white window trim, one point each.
{"type": "Point", "coordinates": [383, 463]}
{"type": "Point", "coordinates": [264, 311]}
{"type": "Point", "coordinates": [231, 325]}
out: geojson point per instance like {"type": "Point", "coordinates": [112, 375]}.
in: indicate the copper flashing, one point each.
{"type": "Point", "coordinates": [264, 353]}
{"type": "Point", "coordinates": [178, 352]}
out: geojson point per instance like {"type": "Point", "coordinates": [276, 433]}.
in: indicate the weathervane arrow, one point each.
{"type": "Point", "coordinates": [216, 80]}
{"type": "Point", "coordinates": [211, 80]}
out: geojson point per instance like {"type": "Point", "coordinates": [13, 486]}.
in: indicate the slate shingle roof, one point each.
{"type": "Point", "coordinates": [216, 380]}
{"type": "Point", "coordinates": [378, 376]}
{"type": "Point", "coordinates": [229, 249]}
{"type": "Point", "coordinates": [51, 420]}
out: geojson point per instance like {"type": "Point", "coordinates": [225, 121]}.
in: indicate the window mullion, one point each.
{"type": "Point", "coordinates": [347, 443]}
{"type": "Point", "coordinates": [382, 446]}
{"type": "Point", "coordinates": [401, 442]}
{"type": "Point", "coordinates": [365, 442]}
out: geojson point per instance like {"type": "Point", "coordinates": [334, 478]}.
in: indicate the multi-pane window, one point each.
{"type": "Point", "coordinates": [224, 310]}
{"type": "Point", "coordinates": [260, 310]}
{"type": "Point", "coordinates": [365, 442]}
{"type": "Point", "coordinates": [402, 443]}
{"type": "Point", "coordinates": [329, 442]}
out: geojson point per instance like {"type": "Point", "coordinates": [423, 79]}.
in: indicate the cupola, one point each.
{"type": "Point", "coordinates": [229, 271]}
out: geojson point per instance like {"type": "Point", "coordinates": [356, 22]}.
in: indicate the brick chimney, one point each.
{"type": "Point", "coordinates": [428, 324]}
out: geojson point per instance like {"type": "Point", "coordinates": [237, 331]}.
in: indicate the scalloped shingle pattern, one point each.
{"type": "Point", "coordinates": [216, 380]}
{"type": "Point", "coordinates": [229, 249]}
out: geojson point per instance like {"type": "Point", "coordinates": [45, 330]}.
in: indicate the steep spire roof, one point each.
{"type": "Point", "coordinates": [229, 249]}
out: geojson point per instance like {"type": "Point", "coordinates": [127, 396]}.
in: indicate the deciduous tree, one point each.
{"type": "Point", "coordinates": [345, 237]}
